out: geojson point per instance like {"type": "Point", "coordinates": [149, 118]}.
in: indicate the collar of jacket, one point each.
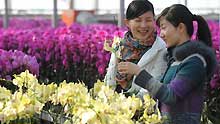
{"type": "Point", "coordinates": [196, 47]}
{"type": "Point", "coordinates": [158, 45]}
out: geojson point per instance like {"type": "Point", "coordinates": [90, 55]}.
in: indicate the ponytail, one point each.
{"type": "Point", "coordinates": [179, 13]}
{"type": "Point", "coordinates": [203, 32]}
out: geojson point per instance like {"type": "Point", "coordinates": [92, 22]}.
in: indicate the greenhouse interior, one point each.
{"type": "Point", "coordinates": [110, 62]}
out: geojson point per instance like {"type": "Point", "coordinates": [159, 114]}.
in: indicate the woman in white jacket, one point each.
{"type": "Point", "coordinates": [140, 45]}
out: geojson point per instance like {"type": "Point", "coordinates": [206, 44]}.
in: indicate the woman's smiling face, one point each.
{"type": "Point", "coordinates": [142, 26]}
{"type": "Point", "coordinates": [169, 33]}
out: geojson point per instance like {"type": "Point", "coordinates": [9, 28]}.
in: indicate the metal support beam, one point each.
{"type": "Point", "coordinates": [186, 3]}
{"type": "Point", "coordinates": [121, 13]}
{"type": "Point", "coordinates": [96, 6]}
{"type": "Point", "coordinates": [71, 5]}
{"type": "Point", "coordinates": [55, 15]}
{"type": "Point", "coordinates": [6, 15]}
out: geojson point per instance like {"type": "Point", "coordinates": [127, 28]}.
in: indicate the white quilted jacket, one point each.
{"type": "Point", "coordinates": [152, 61]}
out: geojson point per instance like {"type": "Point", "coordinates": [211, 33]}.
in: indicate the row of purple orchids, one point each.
{"type": "Point", "coordinates": [65, 53]}
{"type": "Point", "coordinates": [15, 62]}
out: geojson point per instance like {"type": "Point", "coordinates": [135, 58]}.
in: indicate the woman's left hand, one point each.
{"type": "Point", "coordinates": [128, 68]}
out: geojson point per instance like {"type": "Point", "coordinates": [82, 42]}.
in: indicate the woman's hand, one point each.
{"type": "Point", "coordinates": [128, 68]}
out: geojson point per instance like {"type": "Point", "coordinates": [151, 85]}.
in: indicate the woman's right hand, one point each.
{"type": "Point", "coordinates": [128, 68]}
{"type": "Point", "coordinates": [124, 82]}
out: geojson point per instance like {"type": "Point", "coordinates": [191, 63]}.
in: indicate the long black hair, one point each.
{"type": "Point", "coordinates": [179, 13]}
{"type": "Point", "coordinates": [138, 7]}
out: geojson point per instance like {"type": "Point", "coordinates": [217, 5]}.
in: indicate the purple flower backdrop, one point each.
{"type": "Point", "coordinates": [65, 53]}
{"type": "Point", "coordinates": [15, 62]}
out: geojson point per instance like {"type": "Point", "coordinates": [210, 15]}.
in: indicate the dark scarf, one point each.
{"type": "Point", "coordinates": [132, 51]}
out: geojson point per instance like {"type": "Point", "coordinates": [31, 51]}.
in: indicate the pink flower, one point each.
{"type": "Point", "coordinates": [101, 69]}
{"type": "Point", "coordinates": [119, 33]}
